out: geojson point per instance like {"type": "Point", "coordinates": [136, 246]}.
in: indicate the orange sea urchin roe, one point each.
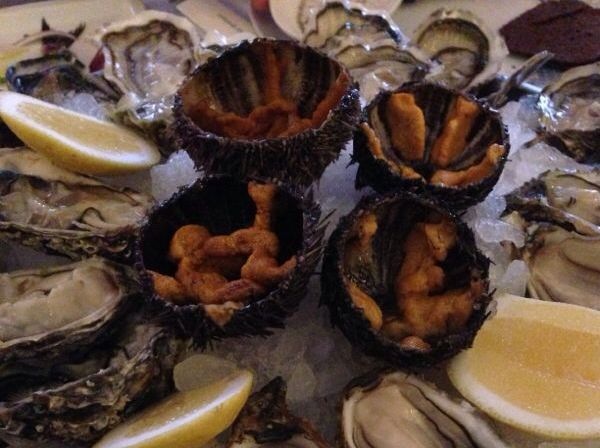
{"type": "Point", "coordinates": [453, 138]}
{"type": "Point", "coordinates": [472, 174]}
{"type": "Point", "coordinates": [425, 308]}
{"type": "Point", "coordinates": [277, 116]}
{"type": "Point", "coordinates": [407, 126]}
{"type": "Point", "coordinates": [218, 270]}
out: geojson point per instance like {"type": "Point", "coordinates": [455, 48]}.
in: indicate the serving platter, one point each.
{"type": "Point", "coordinates": [316, 360]}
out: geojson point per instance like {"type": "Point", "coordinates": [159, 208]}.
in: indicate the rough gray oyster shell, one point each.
{"type": "Point", "coordinates": [265, 422]}
{"type": "Point", "coordinates": [395, 409]}
{"type": "Point", "coordinates": [469, 53]}
{"type": "Point", "coordinates": [51, 312]}
{"type": "Point", "coordinates": [570, 113]}
{"type": "Point", "coordinates": [52, 209]}
{"type": "Point", "coordinates": [74, 404]}
{"type": "Point", "coordinates": [147, 58]}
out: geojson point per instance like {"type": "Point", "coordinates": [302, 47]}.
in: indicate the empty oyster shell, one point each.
{"type": "Point", "coordinates": [265, 422]}
{"type": "Point", "coordinates": [266, 108]}
{"type": "Point", "coordinates": [52, 312]}
{"type": "Point", "coordinates": [147, 58]}
{"type": "Point", "coordinates": [469, 53]}
{"type": "Point", "coordinates": [52, 209]}
{"type": "Point", "coordinates": [404, 281]}
{"type": "Point", "coordinates": [428, 138]}
{"type": "Point", "coordinates": [76, 403]}
{"type": "Point", "coordinates": [570, 113]}
{"type": "Point", "coordinates": [395, 409]}
{"type": "Point", "coordinates": [223, 207]}
{"type": "Point", "coordinates": [570, 199]}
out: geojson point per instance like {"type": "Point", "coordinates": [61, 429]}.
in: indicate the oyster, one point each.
{"type": "Point", "coordinates": [428, 138]}
{"type": "Point", "coordinates": [49, 208]}
{"type": "Point", "coordinates": [382, 67]}
{"type": "Point", "coordinates": [570, 113]}
{"type": "Point", "coordinates": [335, 23]}
{"type": "Point", "coordinates": [51, 312]}
{"type": "Point", "coordinates": [559, 211]}
{"type": "Point", "coordinates": [266, 108]}
{"type": "Point", "coordinates": [265, 422]}
{"type": "Point", "coordinates": [395, 409]}
{"type": "Point", "coordinates": [35, 77]}
{"type": "Point", "coordinates": [404, 281]}
{"type": "Point", "coordinates": [226, 257]}
{"type": "Point", "coordinates": [57, 78]}
{"type": "Point", "coordinates": [76, 403]}
{"type": "Point", "coordinates": [370, 45]}
{"type": "Point", "coordinates": [564, 266]}
{"type": "Point", "coordinates": [570, 199]}
{"type": "Point", "coordinates": [147, 58]}
{"type": "Point", "coordinates": [469, 53]}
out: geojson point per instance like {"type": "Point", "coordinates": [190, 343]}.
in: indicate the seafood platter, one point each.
{"type": "Point", "coordinates": [377, 226]}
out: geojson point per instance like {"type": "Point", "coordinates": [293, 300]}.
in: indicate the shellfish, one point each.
{"type": "Point", "coordinates": [428, 138]}
{"type": "Point", "coordinates": [52, 209]}
{"type": "Point", "coordinates": [404, 281]}
{"type": "Point", "coordinates": [266, 108]}
{"type": "Point", "coordinates": [394, 409]}
{"type": "Point", "coordinates": [226, 257]}
{"type": "Point", "coordinates": [570, 113]}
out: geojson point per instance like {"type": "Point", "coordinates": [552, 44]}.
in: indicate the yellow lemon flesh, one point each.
{"type": "Point", "coordinates": [185, 419]}
{"type": "Point", "coordinates": [75, 141]}
{"type": "Point", "coordinates": [535, 365]}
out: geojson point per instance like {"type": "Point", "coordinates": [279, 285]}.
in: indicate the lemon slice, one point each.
{"type": "Point", "coordinates": [535, 365]}
{"type": "Point", "coordinates": [75, 141]}
{"type": "Point", "coordinates": [185, 419]}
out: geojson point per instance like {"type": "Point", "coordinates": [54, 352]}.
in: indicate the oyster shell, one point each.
{"type": "Point", "coordinates": [266, 108]}
{"type": "Point", "coordinates": [336, 22]}
{"type": "Point", "coordinates": [570, 113]}
{"type": "Point", "coordinates": [564, 266]}
{"type": "Point", "coordinates": [223, 207]}
{"type": "Point", "coordinates": [382, 67]}
{"type": "Point", "coordinates": [265, 422]}
{"type": "Point", "coordinates": [370, 45]}
{"type": "Point", "coordinates": [469, 53]}
{"type": "Point", "coordinates": [559, 211]}
{"type": "Point", "coordinates": [76, 403]}
{"type": "Point", "coordinates": [389, 303]}
{"type": "Point", "coordinates": [51, 312]}
{"type": "Point", "coordinates": [49, 208]}
{"type": "Point", "coordinates": [147, 58]}
{"type": "Point", "coordinates": [395, 409]}
{"type": "Point", "coordinates": [428, 138]}
{"type": "Point", "coordinates": [570, 199]}
{"type": "Point", "coordinates": [56, 78]}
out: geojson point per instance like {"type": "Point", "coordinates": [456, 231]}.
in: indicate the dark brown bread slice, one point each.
{"type": "Point", "coordinates": [568, 28]}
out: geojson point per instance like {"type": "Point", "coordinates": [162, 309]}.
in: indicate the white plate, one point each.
{"type": "Point", "coordinates": [63, 15]}
{"type": "Point", "coordinates": [285, 12]}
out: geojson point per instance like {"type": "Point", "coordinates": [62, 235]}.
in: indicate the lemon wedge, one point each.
{"type": "Point", "coordinates": [535, 365]}
{"type": "Point", "coordinates": [75, 141]}
{"type": "Point", "coordinates": [185, 419]}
